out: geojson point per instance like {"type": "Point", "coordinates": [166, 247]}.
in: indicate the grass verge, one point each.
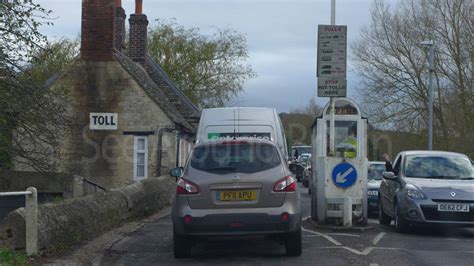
{"type": "Point", "coordinates": [9, 257]}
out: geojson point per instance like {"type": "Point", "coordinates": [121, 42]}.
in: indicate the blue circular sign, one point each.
{"type": "Point", "coordinates": [344, 175]}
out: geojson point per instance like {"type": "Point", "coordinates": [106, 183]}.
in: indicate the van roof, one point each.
{"type": "Point", "coordinates": [236, 141]}
{"type": "Point", "coordinates": [237, 108]}
{"type": "Point", "coordinates": [224, 116]}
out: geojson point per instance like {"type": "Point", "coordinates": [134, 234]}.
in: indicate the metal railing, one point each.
{"type": "Point", "coordinates": [31, 217]}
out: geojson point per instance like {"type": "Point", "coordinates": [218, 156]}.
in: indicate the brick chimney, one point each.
{"type": "Point", "coordinates": [97, 30]}
{"type": "Point", "coordinates": [138, 34]}
{"type": "Point", "coordinates": [120, 17]}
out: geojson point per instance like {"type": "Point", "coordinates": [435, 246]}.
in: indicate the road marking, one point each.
{"type": "Point", "coordinates": [330, 239]}
{"type": "Point", "coordinates": [377, 238]}
{"type": "Point", "coordinates": [373, 264]}
{"type": "Point", "coordinates": [365, 252]}
{"type": "Point", "coordinates": [340, 234]}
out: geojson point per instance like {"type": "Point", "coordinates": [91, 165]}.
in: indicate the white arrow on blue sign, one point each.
{"type": "Point", "coordinates": [344, 175]}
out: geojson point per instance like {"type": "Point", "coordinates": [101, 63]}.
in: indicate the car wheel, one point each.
{"type": "Point", "coordinates": [181, 246]}
{"type": "Point", "coordinates": [293, 243]}
{"type": "Point", "coordinates": [384, 219]}
{"type": "Point", "coordinates": [401, 225]}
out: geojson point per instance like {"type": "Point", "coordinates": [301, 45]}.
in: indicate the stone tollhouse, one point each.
{"type": "Point", "coordinates": [130, 120]}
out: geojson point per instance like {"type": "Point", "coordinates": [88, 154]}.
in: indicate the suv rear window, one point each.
{"type": "Point", "coordinates": [239, 158]}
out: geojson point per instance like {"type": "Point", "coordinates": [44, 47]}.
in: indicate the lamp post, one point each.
{"type": "Point", "coordinates": [430, 44]}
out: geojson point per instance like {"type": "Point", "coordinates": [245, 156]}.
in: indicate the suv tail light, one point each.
{"type": "Point", "coordinates": [186, 187]}
{"type": "Point", "coordinates": [286, 184]}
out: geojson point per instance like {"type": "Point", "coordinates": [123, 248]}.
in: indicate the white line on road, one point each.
{"type": "Point", "coordinates": [340, 234]}
{"type": "Point", "coordinates": [377, 238]}
{"type": "Point", "coordinates": [365, 252]}
{"type": "Point", "coordinates": [330, 239]}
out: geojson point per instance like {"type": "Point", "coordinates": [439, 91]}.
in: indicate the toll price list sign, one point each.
{"type": "Point", "coordinates": [332, 60]}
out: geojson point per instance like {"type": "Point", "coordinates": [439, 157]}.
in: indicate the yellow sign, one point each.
{"type": "Point", "coordinates": [237, 195]}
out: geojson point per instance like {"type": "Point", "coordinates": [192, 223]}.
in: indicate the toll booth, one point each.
{"type": "Point", "coordinates": [340, 175]}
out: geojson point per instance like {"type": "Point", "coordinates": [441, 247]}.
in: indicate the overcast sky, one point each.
{"type": "Point", "coordinates": [281, 37]}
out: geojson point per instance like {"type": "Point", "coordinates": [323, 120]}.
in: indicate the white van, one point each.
{"type": "Point", "coordinates": [241, 123]}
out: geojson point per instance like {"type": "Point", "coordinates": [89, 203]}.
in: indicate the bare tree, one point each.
{"type": "Point", "coordinates": [394, 70]}
{"type": "Point", "coordinates": [312, 109]}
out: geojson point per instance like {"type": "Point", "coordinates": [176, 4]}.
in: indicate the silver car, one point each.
{"type": "Point", "coordinates": [427, 187]}
{"type": "Point", "coordinates": [236, 188]}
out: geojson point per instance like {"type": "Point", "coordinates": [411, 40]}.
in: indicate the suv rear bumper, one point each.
{"type": "Point", "coordinates": [236, 221]}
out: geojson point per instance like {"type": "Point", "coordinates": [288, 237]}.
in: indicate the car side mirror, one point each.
{"type": "Point", "coordinates": [177, 172]}
{"type": "Point", "coordinates": [389, 175]}
{"type": "Point", "coordinates": [296, 168]}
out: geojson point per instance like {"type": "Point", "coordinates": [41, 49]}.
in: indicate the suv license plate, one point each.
{"type": "Point", "coordinates": [453, 207]}
{"type": "Point", "coordinates": [236, 195]}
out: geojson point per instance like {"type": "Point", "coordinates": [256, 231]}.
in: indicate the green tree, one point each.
{"type": "Point", "coordinates": [28, 110]}
{"type": "Point", "coordinates": [52, 59]}
{"type": "Point", "coordinates": [209, 69]}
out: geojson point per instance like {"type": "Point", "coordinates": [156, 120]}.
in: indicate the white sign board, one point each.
{"type": "Point", "coordinates": [103, 121]}
{"type": "Point", "coordinates": [332, 51]}
{"type": "Point", "coordinates": [332, 87]}
{"type": "Point", "coordinates": [332, 61]}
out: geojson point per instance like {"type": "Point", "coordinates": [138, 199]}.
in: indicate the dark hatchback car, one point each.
{"type": "Point", "coordinates": [374, 179]}
{"type": "Point", "coordinates": [428, 187]}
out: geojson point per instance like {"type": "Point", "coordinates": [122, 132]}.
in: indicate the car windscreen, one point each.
{"type": "Point", "coordinates": [376, 171]}
{"type": "Point", "coordinates": [238, 158]}
{"type": "Point", "coordinates": [440, 167]}
{"type": "Point", "coordinates": [302, 150]}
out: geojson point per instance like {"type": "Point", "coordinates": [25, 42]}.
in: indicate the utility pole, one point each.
{"type": "Point", "coordinates": [333, 111]}
{"type": "Point", "coordinates": [430, 44]}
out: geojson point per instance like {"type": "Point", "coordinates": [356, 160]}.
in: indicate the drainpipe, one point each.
{"type": "Point", "coordinates": [178, 138]}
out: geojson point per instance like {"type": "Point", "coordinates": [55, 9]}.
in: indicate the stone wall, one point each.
{"type": "Point", "coordinates": [56, 183]}
{"type": "Point", "coordinates": [63, 224]}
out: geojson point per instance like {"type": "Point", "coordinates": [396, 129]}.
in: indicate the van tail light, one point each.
{"type": "Point", "coordinates": [286, 184]}
{"type": "Point", "coordinates": [186, 187]}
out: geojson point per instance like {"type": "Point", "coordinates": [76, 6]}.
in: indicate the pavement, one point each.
{"type": "Point", "coordinates": [149, 242]}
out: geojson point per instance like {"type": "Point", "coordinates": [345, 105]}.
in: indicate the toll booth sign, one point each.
{"type": "Point", "coordinates": [332, 61]}
{"type": "Point", "coordinates": [103, 121]}
{"type": "Point", "coordinates": [332, 51]}
{"type": "Point", "coordinates": [344, 175]}
{"type": "Point", "coordinates": [332, 87]}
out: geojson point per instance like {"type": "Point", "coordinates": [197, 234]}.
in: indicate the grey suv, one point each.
{"type": "Point", "coordinates": [235, 188]}
{"type": "Point", "coordinates": [427, 187]}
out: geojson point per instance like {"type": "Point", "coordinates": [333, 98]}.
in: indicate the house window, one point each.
{"type": "Point", "coordinates": [140, 158]}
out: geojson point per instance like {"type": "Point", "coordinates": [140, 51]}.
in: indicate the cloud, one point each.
{"type": "Point", "coordinates": [281, 36]}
